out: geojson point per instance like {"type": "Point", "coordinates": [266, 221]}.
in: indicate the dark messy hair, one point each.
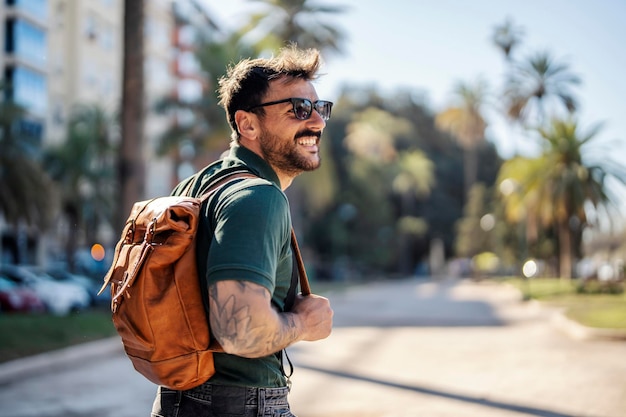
{"type": "Point", "coordinates": [246, 83]}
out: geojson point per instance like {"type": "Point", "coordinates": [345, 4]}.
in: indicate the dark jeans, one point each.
{"type": "Point", "coordinates": [222, 401]}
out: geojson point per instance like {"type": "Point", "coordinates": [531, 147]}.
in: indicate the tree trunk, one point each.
{"type": "Point", "coordinates": [565, 250]}
{"type": "Point", "coordinates": [131, 166]}
{"type": "Point", "coordinates": [470, 170]}
{"type": "Point", "coordinates": [72, 218]}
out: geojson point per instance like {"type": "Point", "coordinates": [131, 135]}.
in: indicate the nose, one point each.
{"type": "Point", "coordinates": [316, 120]}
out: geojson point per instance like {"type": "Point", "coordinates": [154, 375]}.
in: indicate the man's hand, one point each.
{"type": "Point", "coordinates": [315, 316]}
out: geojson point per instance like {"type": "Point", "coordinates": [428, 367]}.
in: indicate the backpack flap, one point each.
{"type": "Point", "coordinates": [169, 223]}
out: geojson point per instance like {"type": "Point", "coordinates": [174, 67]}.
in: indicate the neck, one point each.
{"type": "Point", "coordinates": [285, 178]}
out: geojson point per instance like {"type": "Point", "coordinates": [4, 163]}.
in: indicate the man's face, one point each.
{"type": "Point", "coordinates": [288, 144]}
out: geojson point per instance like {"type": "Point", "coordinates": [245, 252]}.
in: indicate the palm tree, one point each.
{"type": "Point", "coordinates": [466, 123]}
{"type": "Point", "coordinates": [517, 185]}
{"type": "Point", "coordinates": [507, 37]}
{"type": "Point", "coordinates": [296, 21]}
{"type": "Point", "coordinates": [27, 195]}
{"type": "Point", "coordinates": [26, 192]}
{"type": "Point", "coordinates": [557, 188]}
{"type": "Point", "coordinates": [131, 165]}
{"type": "Point", "coordinates": [83, 168]}
{"type": "Point", "coordinates": [414, 180]}
{"type": "Point", "coordinates": [537, 83]}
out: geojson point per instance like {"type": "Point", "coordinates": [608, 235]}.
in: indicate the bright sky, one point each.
{"type": "Point", "coordinates": [432, 45]}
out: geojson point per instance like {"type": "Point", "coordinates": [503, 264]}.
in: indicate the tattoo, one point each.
{"type": "Point", "coordinates": [239, 326]}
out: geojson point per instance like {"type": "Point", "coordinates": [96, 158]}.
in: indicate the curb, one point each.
{"type": "Point", "coordinates": [59, 359]}
{"type": "Point", "coordinates": [574, 329]}
{"type": "Point", "coordinates": [580, 332]}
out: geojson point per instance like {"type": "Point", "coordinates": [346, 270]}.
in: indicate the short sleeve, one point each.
{"type": "Point", "coordinates": [251, 235]}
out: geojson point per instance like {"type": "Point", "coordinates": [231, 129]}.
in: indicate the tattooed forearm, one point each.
{"type": "Point", "coordinates": [244, 322]}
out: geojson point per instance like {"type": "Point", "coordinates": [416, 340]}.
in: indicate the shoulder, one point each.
{"type": "Point", "coordinates": [254, 194]}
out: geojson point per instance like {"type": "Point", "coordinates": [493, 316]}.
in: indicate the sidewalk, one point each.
{"type": "Point", "coordinates": [59, 359]}
{"type": "Point", "coordinates": [399, 349]}
{"type": "Point", "coordinates": [488, 355]}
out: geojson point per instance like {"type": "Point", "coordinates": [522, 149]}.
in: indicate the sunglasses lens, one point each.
{"type": "Point", "coordinates": [323, 108]}
{"type": "Point", "coordinates": [302, 108]}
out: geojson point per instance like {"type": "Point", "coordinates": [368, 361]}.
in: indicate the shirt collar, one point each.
{"type": "Point", "coordinates": [241, 154]}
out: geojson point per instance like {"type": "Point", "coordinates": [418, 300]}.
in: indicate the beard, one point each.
{"type": "Point", "coordinates": [285, 155]}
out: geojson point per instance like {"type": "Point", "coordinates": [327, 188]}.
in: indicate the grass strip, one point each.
{"type": "Point", "coordinates": [599, 310]}
{"type": "Point", "coordinates": [28, 334]}
{"type": "Point", "coordinates": [610, 315]}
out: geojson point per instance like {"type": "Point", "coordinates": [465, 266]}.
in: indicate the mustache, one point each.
{"type": "Point", "coordinates": [308, 133]}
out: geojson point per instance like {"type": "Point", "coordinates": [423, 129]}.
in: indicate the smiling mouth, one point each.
{"type": "Point", "coordinates": [307, 141]}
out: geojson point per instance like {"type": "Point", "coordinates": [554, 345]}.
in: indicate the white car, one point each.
{"type": "Point", "coordinates": [59, 298]}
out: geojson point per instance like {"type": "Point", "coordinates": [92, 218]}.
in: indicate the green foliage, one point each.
{"type": "Point", "coordinates": [84, 170]}
{"type": "Point", "coordinates": [383, 152]}
{"type": "Point", "coordinates": [473, 234]}
{"type": "Point", "coordinates": [26, 192]}
{"type": "Point", "coordinates": [412, 226]}
{"type": "Point", "coordinates": [545, 288]}
{"type": "Point", "coordinates": [593, 286]}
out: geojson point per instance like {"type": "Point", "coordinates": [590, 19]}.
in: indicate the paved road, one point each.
{"type": "Point", "coordinates": [399, 349]}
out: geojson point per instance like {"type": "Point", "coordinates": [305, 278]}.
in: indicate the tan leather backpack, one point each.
{"type": "Point", "coordinates": [157, 303]}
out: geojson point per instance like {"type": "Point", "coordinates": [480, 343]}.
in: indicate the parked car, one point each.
{"type": "Point", "coordinates": [92, 286]}
{"type": "Point", "coordinates": [59, 298]}
{"type": "Point", "coordinates": [15, 298]}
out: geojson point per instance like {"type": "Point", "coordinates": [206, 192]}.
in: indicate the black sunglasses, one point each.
{"type": "Point", "coordinates": [303, 107]}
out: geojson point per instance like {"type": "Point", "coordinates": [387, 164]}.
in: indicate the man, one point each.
{"type": "Point", "coordinates": [277, 121]}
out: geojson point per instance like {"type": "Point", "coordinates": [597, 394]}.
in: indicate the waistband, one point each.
{"type": "Point", "coordinates": [252, 395]}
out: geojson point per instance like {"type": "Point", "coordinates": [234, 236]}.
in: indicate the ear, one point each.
{"type": "Point", "coordinates": [247, 123]}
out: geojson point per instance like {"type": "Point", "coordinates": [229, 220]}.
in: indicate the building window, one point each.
{"type": "Point", "coordinates": [188, 64]}
{"type": "Point", "coordinates": [32, 129]}
{"type": "Point", "coordinates": [89, 70]}
{"type": "Point", "coordinates": [157, 34]}
{"type": "Point", "coordinates": [157, 74]}
{"type": "Point", "coordinates": [29, 89]}
{"type": "Point", "coordinates": [91, 27]}
{"type": "Point", "coordinates": [107, 38]}
{"type": "Point", "coordinates": [36, 8]}
{"type": "Point", "coordinates": [26, 42]}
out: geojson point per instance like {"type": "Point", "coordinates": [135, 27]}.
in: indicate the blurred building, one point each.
{"type": "Point", "coordinates": [58, 54]}
{"type": "Point", "coordinates": [23, 61]}
{"type": "Point", "coordinates": [84, 59]}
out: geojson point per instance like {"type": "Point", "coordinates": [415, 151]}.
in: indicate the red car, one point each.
{"type": "Point", "coordinates": [16, 298]}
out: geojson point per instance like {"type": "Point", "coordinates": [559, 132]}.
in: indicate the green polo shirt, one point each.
{"type": "Point", "coordinates": [251, 226]}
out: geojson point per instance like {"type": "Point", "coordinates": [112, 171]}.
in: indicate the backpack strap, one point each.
{"type": "Point", "coordinates": [217, 184]}
{"type": "Point", "coordinates": [298, 274]}
{"type": "Point", "coordinates": [305, 288]}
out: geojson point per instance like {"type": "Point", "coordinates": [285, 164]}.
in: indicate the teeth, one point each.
{"type": "Point", "coordinates": [307, 142]}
